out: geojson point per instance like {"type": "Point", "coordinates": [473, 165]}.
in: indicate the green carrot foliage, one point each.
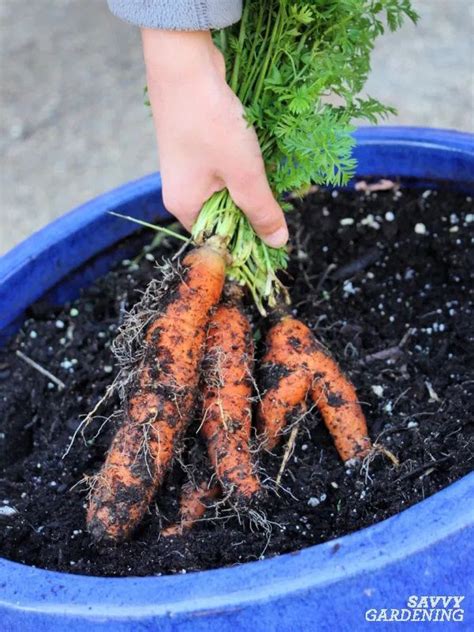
{"type": "Point", "coordinates": [298, 67]}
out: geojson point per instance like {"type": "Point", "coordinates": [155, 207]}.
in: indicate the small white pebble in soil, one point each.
{"type": "Point", "coordinates": [370, 275]}
{"type": "Point", "coordinates": [453, 218]}
{"type": "Point", "coordinates": [126, 262]}
{"type": "Point", "coordinates": [334, 194]}
{"type": "Point", "coordinates": [62, 341]}
{"type": "Point", "coordinates": [426, 194]}
{"type": "Point", "coordinates": [452, 312]}
{"type": "Point", "coordinates": [346, 221]}
{"type": "Point", "coordinates": [304, 447]}
{"type": "Point", "coordinates": [314, 501]}
{"type": "Point", "coordinates": [101, 334]}
{"type": "Point", "coordinates": [33, 334]}
{"type": "Point", "coordinates": [469, 218]}
{"type": "Point", "coordinates": [7, 512]}
{"type": "Point", "coordinates": [454, 229]}
{"type": "Point", "coordinates": [388, 408]}
{"type": "Point", "coordinates": [59, 324]}
{"type": "Point", "coordinates": [334, 485]}
{"type": "Point", "coordinates": [420, 229]}
{"type": "Point", "coordinates": [389, 216]}
{"type": "Point", "coordinates": [377, 389]}
{"type": "Point", "coordinates": [108, 368]}
{"type": "Point", "coordinates": [53, 484]}
{"type": "Point", "coordinates": [348, 288]}
{"type": "Point", "coordinates": [392, 319]}
{"type": "Point", "coordinates": [149, 257]}
{"type": "Point", "coordinates": [412, 424]}
{"type": "Point", "coordinates": [50, 386]}
{"type": "Point", "coordinates": [370, 222]}
{"type": "Point", "coordinates": [24, 494]}
{"type": "Point", "coordinates": [325, 211]}
{"type": "Point", "coordinates": [67, 364]}
{"type": "Point", "coordinates": [74, 312]}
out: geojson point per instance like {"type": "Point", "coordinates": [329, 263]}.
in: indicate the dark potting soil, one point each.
{"type": "Point", "coordinates": [383, 279]}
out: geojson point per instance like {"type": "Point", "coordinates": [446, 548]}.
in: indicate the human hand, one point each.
{"type": "Point", "coordinates": [205, 144]}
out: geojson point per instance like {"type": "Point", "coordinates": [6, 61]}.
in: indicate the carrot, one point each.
{"type": "Point", "coordinates": [336, 399]}
{"type": "Point", "coordinates": [227, 391]}
{"type": "Point", "coordinates": [285, 377]}
{"type": "Point", "coordinates": [193, 504]}
{"type": "Point", "coordinates": [295, 363]}
{"type": "Point", "coordinates": [161, 399]}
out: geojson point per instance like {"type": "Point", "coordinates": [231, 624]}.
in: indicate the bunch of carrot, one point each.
{"type": "Point", "coordinates": [200, 349]}
{"type": "Point", "coordinates": [282, 60]}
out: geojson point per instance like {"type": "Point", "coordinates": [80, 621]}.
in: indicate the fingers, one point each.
{"type": "Point", "coordinates": [182, 207]}
{"type": "Point", "coordinates": [184, 199]}
{"type": "Point", "coordinates": [251, 192]}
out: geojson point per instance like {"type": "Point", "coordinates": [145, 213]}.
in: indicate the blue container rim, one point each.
{"type": "Point", "coordinates": [442, 515]}
{"type": "Point", "coordinates": [363, 552]}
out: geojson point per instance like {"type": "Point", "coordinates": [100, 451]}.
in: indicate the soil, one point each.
{"type": "Point", "coordinates": [382, 279]}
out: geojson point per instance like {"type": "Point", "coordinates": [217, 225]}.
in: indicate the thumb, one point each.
{"type": "Point", "coordinates": [253, 196]}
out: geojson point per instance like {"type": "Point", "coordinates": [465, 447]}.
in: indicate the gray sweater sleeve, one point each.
{"type": "Point", "coordinates": [178, 15]}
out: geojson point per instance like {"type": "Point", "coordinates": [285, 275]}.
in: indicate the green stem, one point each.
{"type": "Point", "coordinates": [234, 82]}
{"type": "Point", "coordinates": [268, 57]}
{"type": "Point", "coordinates": [155, 227]}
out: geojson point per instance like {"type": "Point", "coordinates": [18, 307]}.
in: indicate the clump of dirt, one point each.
{"type": "Point", "coordinates": [384, 281]}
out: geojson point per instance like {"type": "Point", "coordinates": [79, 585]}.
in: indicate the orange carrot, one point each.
{"type": "Point", "coordinates": [286, 375]}
{"type": "Point", "coordinates": [227, 391]}
{"type": "Point", "coordinates": [336, 399]}
{"type": "Point", "coordinates": [193, 504]}
{"type": "Point", "coordinates": [160, 400]}
{"type": "Point", "coordinates": [296, 363]}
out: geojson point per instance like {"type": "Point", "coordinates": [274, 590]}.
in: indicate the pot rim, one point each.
{"type": "Point", "coordinates": [442, 515]}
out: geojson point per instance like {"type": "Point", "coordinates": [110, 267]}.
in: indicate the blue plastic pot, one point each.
{"type": "Point", "coordinates": [422, 551]}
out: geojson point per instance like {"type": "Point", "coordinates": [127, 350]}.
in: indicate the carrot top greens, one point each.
{"type": "Point", "coordinates": [298, 67]}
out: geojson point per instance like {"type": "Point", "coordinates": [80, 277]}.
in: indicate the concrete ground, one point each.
{"type": "Point", "coordinates": [72, 122]}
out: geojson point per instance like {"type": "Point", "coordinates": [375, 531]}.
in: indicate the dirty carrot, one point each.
{"type": "Point", "coordinates": [285, 377]}
{"type": "Point", "coordinates": [336, 400]}
{"type": "Point", "coordinates": [194, 502]}
{"type": "Point", "coordinates": [227, 391]}
{"type": "Point", "coordinates": [160, 399]}
{"type": "Point", "coordinates": [295, 364]}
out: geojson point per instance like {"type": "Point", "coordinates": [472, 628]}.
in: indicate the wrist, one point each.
{"type": "Point", "coordinates": [172, 56]}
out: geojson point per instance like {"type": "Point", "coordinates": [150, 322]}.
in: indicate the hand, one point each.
{"type": "Point", "coordinates": [205, 143]}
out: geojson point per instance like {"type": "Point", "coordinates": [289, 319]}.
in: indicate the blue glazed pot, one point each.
{"type": "Point", "coordinates": [422, 551]}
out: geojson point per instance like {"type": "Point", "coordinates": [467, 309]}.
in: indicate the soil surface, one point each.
{"type": "Point", "coordinates": [384, 281]}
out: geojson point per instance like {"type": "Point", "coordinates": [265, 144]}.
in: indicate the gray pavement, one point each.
{"type": "Point", "coordinates": [72, 122]}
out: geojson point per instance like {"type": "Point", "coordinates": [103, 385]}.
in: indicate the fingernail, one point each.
{"type": "Point", "coordinates": [278, 238]}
